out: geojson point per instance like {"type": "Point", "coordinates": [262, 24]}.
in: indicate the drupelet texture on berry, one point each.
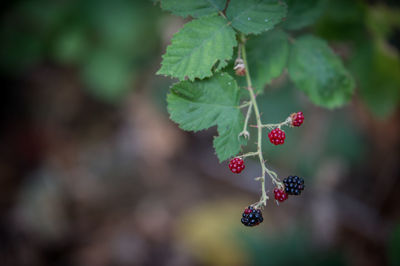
{"type": "Point", "coordinates": [293, 185]}
{"type": "Point", "coordinates": [236, 165]}
{"type": "Point", "coordinates": [280, 195]}
{"type": "Point", "coordinates": [297, 119]}
{"type": "Point", "coordinates": [251, 216]}
{"type": "Point", "coordinates": [277, 136]}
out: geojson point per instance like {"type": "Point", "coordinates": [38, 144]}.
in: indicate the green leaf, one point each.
{"type": "Point", "coordinates": [255, 16]}
{"type": "Point", "coordinates": [197, 47]}
{"type": "Point", "coordinates": [267, 54]}
{"type": "Point", "coordinates": [194, 8]}
{"type": "Point", "coordinates": [210, 102]}
{"type": "Point", "coordinates": [380, 90]}
{"type": "Point", "coordinates": [317, 71]}
{"type": "Point", "coordinates": [302, 13]}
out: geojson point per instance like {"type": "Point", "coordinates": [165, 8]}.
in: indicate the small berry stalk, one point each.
{"type": "Point", "coordinates": [276, 136]}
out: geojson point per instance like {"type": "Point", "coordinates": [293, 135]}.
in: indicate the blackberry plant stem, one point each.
{"type": "Point", "coordinates": [264, 197]}
{"type": "Point", "coordinates": [264, 169]}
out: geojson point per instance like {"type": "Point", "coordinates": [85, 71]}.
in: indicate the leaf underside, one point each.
{"type": "Point", "coordinates": [268, 55]}
{"type": "Point", "coordinates": [317, 71]}
{"type": "Point", "coordinates": [303, 13]}
{"type": "Point", "coordinates": [210, 102]}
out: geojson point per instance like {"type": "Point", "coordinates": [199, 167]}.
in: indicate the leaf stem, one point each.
{"type": "Point", "coordinates": [244, 105]}
{"type": "Point", "coordinates": [248, 154]}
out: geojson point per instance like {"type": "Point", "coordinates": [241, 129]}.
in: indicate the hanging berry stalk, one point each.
{"type": "Point", "coordinates": [276, 136]}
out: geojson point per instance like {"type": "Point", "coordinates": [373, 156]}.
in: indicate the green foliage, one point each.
{"type": "Point", "coordinates": [197, 47]}
{"type": "Point", "coordinates": [103, 40]}
{"type": "Point", "coordinates": [394, 246]}
{"type": "Point", "coordinates": [303, 13]}
{"type": "Point", "coordinates": [255, 16]}
{"type": "Point", "coordinates": [268, 54]}
{"type": "Point", "coordinates": [211, 102]}
{"type": "Point", "coordinates": [317, 71]}
{"type": "Point", "coordinates": [107, 76]}
{"type": "Point", "coordinates": [194, 8]}
{"type": "Point", "coordinates": [380, 90]}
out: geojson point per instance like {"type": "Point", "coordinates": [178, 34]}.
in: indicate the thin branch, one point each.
{"type": "Point", "coordinates": [226, 7]}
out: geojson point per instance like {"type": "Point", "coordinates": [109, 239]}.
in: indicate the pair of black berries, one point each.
{"type": "Point", "coordinates": [293, 185]}
{"type": "Point", "coordinates": [251, 216]}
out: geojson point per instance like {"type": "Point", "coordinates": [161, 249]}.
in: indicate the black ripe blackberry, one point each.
{"type": "Point", "coordinates": [293, 185]}
{"type": "Point", "coordinates": [252, 217]}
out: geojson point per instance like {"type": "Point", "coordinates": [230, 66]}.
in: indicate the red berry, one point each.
{"type": "Point", "coordinates": [297, 119]}
{"type": "Point", "coordinates": [280, 195]}
{"type": "Point", "coordinates": [277, 136]}
{"type": "Point", "coordinates": [236, 165]}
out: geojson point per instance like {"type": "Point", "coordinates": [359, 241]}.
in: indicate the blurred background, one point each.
{"type": "Point", "coordinates": [93, 173]}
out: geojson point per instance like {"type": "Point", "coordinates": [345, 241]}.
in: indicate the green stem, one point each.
{"type": "Point", "coordinates": [244, 105]}
{"type": "Point", "coordinates": [264, 169]}
{"type": "Point", "coordinates": [287, 122]}
{"type": "Point", "coordinates": [264, 197]}
{"type": "Point", "coordinates": [248, 155]}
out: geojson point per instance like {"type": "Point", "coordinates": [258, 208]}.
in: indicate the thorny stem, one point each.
{"type": "Point", "coordinates": [272, 174]}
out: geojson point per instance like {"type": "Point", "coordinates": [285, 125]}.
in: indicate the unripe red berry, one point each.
{"type": "Point", "coordinates": [297, 119]}
{"type": "Point", "coordinates": [277, 136]}
{"type": "Point", "coordinates": [280, 195]}
{"type": "Point", "coordinates": [236, 165]}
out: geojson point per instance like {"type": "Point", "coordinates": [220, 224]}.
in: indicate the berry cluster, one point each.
{"type": "Point", "coordinates": [297, 119]}
{"type": "Point", "coordinates": [252, 217]}
{"type": "Point", "coordinates": [277, 136]}
{"type": "Point", "coordinates": [280, 194]}
{"type": "Point", "coordinates": [236, 165]}
{"type": "Point", "coordinates": [293, 185]}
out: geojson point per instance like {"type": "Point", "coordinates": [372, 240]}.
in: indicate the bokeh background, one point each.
{"type": "Point", "coordinates": [93, 173]}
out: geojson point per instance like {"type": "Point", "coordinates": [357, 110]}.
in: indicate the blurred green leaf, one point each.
{"type": "Point", "coordinates": [108, 76]}
{"type": "Point", "coordinates": [317, 71]}
{"type": "Point", "coordinates": [343, 20]}
{"type": "Point", "coordinates": [255, 16]}
{"type": "Point", "coordinates": [202, 104]}
{"type": "Point", "coordinates": [378, 74]}
{"type": "Point", "coordinates": [302, 13]}
{"type": "Point", "coordinates": [267, 56]}
{"type": "Point", "coordinates": [71, 46]}
{"type": "Point", "coordinates": [194, 8]}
